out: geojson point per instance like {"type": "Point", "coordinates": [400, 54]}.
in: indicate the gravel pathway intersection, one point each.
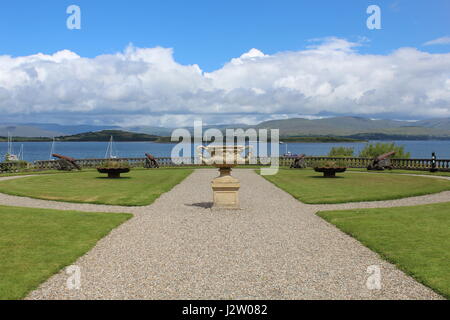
{"type": "Point", "coordinates": [274, 248]}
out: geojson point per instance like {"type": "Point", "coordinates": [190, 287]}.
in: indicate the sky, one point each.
{"type": "Point", "coordinates": [170, 62]}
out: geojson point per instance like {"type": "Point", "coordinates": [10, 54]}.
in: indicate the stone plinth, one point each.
{"type": "Point", "coordinates": [226, 190]}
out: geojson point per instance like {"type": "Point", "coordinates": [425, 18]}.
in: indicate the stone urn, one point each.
{"type": "Point", "coordinates": [225, 187]}
{"type": "Point", "coordinates": [114, 168]}
{"type": "Point", "coordinates": [329, 172]}
{"type": "Point", "coordinates": [113, 173]}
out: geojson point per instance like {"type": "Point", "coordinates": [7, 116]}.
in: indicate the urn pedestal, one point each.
{"type": "Point", "coordinates": [225, 187]}
{"type": "Point", "coordinates": [226, 190]}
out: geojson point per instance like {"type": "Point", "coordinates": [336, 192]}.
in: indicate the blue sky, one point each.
{"type": "Point", "coordinates": [211, 32]}
{"type": "Point", "coordinates": [172, 62]}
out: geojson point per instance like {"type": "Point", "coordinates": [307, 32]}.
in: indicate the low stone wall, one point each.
{"type": "Point", "coordinates": [420, 164]}
{"type": "Point", "coordinates": [12, 166]}
{"type": "Point", "coordinates": [94, 163]}
{"type": "Point", "coordinates": [405, 164]}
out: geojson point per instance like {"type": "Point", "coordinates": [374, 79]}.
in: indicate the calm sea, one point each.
{"type": "Point", "coordinates": [41, 150]}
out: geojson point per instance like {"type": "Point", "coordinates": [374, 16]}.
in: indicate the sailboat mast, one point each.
{"type": "Point", "coordinates": [21, 153]}
{"type": "Point", "coordinates": [108, 154]}
{"type": "Point", "coordinates": [111, 149]}
{"type": "Point", "coordinates": [52, 149]}
{"type": "Point", "coordinates": [9, 143]}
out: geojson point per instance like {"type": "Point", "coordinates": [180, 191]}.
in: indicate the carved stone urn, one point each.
{"type": "Point", "coordinates": [225, 187]}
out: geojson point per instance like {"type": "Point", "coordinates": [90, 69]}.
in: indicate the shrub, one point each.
{"type": "Point", "coordinates": [21, 164]}
{"type": "Point", "coordinates": [341, 152]}
{"type": "Point", "coordinates": [114, 164]}
{"type": "Point", "coordinates": [372, 151]}
{"type": "Point", "coordinates": [330, 164]}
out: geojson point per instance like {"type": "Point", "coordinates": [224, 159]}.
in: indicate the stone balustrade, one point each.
{"type": "Point", "coordinates": [351, 162]}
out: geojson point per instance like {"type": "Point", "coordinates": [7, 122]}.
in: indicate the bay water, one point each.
{"type": "Point", "coordinates": [41, 150]}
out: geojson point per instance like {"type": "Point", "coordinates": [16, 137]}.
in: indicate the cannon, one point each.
{"type": "Point", "coordinates": [299, 162]}
{"type": "Point", "coordinates": [66, 163]}
{"type": "Point", "coordinates": [150, 161]}
{"type": "Point", "coordinates": [382, 162]}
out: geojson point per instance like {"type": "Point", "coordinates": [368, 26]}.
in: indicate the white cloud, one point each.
{"type": "Point", "coordinates": [252, 55]}
{"type": "Point", "coordinates": [148, 87]}
{"type": "Point", "coordinates": [438, 41]}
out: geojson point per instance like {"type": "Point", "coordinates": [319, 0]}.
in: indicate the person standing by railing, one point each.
{"type": "Point", "coordinates": [433, 162]}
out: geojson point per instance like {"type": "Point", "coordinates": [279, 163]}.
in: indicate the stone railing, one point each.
{"type": "Point", "coordinates": [94, 163]}
{"type": "Point", "coordinates": [406, 164]}
{"type": "Point", "coordinates": [420, 164]}
{"type": "Point", "coordinates": [12, 166]}
{"type": "Point", "coordinates": [313, 161]}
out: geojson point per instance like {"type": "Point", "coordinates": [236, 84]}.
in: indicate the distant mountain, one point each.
{"type": "Point", "coordinates": [70, 129]}
{"type": "Point", "coordinates": [344, 127]}
{"type": "Point", "coordinates": [105, 135]}
{"type": "Point", "coordinates": [159, 131]}
{"type": "Point", "coordinates": [443, 124]}
{"type": "Point", "coordinates": [358, 127]}
{"type": "Point", "coordinates": [26, 131]}
{"type": "Point", "coordinates": [48, 130]}
{"type": "Point", "coordinates": [167, 132]}
{"type": "Point", "coordinates": [328, 126]}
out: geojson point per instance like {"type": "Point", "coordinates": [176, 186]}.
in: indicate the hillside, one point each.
{"type": "Point", "coordinates": [337, 127]}
{"type": "Point", "coordinates": [27, 131]}
{"type": "Point", "coordinates": [26, 139]}
{"type": "Point", "coordinates": [71, 129]}
{"type": "Point", "coordinates": [47, 130]}
{"type": "Point", "coordinates": [360, 128]}
{"type": "Point", "coordinates": [167, 132]}
{"type": "Point", "coordinates": [105, 135]}
{"type": "Point", "coordinates": [443, 124]}
{"type": "Point", "coordinates": [329, 126]}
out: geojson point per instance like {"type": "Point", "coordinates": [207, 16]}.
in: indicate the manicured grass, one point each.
{"type": "Point", "coordinates": [24, 173]}
{"type": "Point", "coordinates": [416, 239]}
{"type": "Point", "coordinates": [137, 188]}
{"type": "Point", "coordinates": [37, 243]}
{"type": "Point", "coordinates": [397, 171]}
{"type": "Point", "coordinates": [310, 187]}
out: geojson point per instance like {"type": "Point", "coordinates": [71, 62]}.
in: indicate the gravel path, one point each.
{"type": "Point", "coordinates": [274, 248]}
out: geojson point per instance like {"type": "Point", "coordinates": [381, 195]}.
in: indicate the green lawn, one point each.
{"type": "Point", "coordinates": [416, 239]}
{"type": "Point", "coordinates": [37, 243]}
{"type": "Point", "coordinates": [137, 188]}
{"type": "Point", "coordinates": [310, 187]}
{"type": "Point", "coordinates": [398, 171]}
{"type": "Point", "coordinates": [24, 173]}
